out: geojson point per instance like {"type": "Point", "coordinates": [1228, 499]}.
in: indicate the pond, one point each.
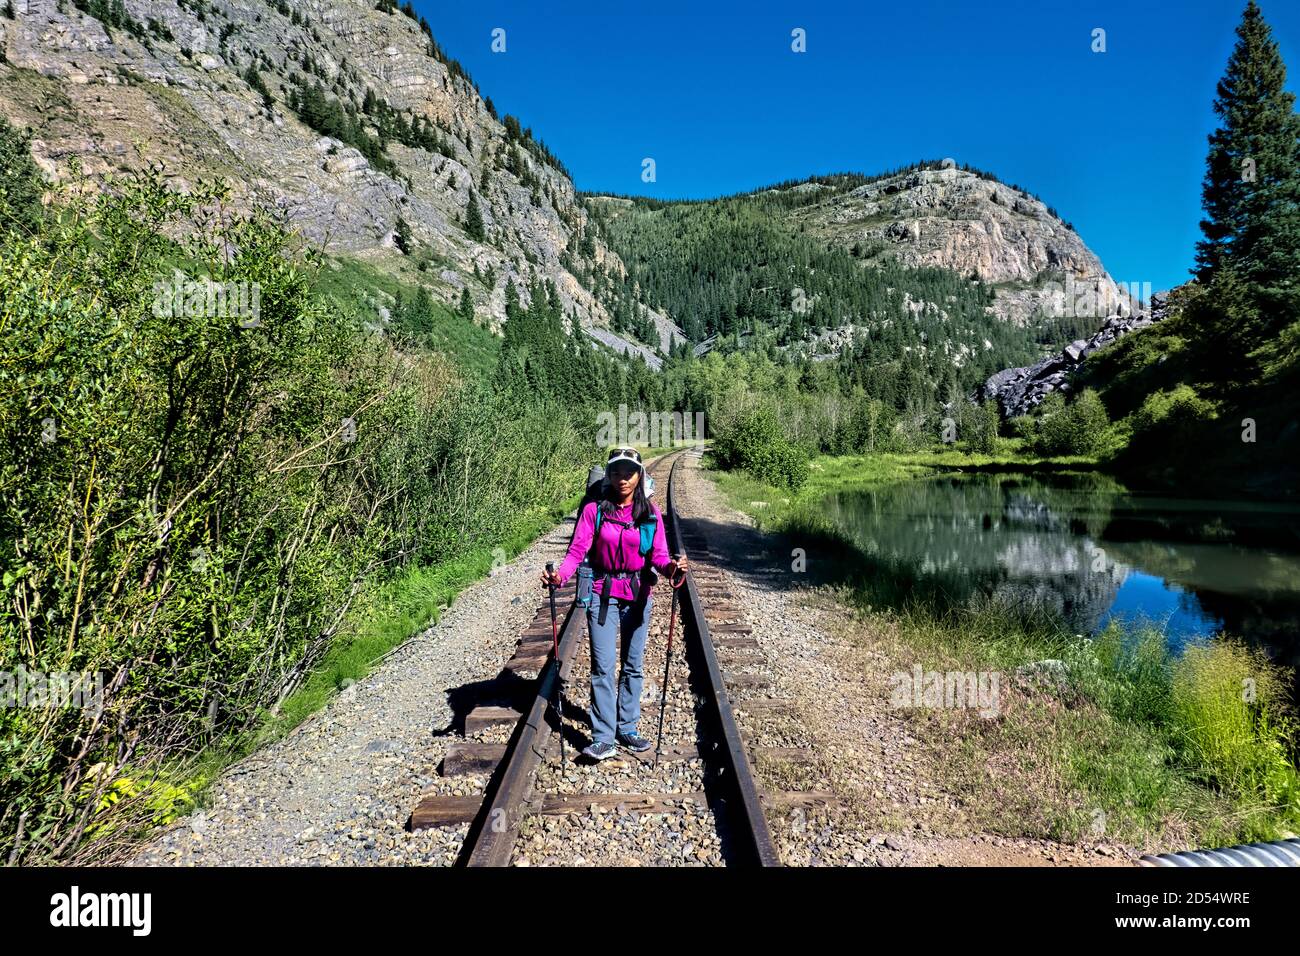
{"type": "Point", "coordinates": [1090, 549]}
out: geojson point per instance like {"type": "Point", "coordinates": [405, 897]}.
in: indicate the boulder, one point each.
{"type": "Point", "coordinates": [1018, 391]}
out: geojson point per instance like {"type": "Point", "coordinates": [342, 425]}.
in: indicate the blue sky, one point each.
{"type": "Point", "coordinates": [1115, 141]}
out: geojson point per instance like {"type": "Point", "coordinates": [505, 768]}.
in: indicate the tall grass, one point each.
{"type": "Point", "coordinates": [1231, 722]}
{"type": "Point", "coordinates": [1221, 708]}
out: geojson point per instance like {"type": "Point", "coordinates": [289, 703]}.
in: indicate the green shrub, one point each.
{"type": "Point", "coordinates": [1169, 425]}
{"type": "Point", "coordinates": [1023, 427]}
{"type": "Point", "coordinates": [192, 502]}
{"type": "Point", "coordinates": [1080, 428]}
{"type": "Point", "coordinates": [20, 181]}
{"type": "Point", "coordinates": [865, 429]}
{"type": "Point", "coordinates": [979, 427]}
{"type": "Point", "coordinates": [1051, 426]}
{"type": "Point", "coordinates": [753, 441]}
{"type": "Point", "coordinates": [1090, 423]}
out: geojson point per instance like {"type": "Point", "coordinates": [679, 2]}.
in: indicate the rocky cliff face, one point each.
{"type": "Point", "coordinates": [1018, 391]}
{"type": "Point", "coordinates": [976, 226]}
{"type": "Point", "coordinates": [169, 81]}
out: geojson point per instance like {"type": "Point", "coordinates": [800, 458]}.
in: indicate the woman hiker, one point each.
{"type": "Point", "coordinates": [619, 613]}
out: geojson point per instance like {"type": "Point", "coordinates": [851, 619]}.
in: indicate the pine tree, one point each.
{"type": "Point", "coordinates": [21, 184]}
{"type": "Point", "coordinates": [466, 305]}
{"type": "Point", "coordinates": [254, 80]}
{"type": "Point", "coordinates": [402, 236]}
{"type": "Point", "coordinates": [512, 300]}
{"type": "Point", "coordinates": [1251, 192]}
{"type": "Point", "coordinates": [474, 219]}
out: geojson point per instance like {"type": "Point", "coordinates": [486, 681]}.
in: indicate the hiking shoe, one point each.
{"type": "Point", "coordinates": [600, 751]}
{"type": "Point", "coordinates": [634, 742]}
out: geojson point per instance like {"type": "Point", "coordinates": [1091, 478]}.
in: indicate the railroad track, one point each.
{"type": "Point", "coordinates": [701, 804]}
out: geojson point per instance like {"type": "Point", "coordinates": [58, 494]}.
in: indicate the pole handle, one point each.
{"type": "Point", "coordinates": [679, 576]}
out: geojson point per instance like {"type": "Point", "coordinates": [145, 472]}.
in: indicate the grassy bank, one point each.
{"type": "Point", "coordinates": [1108, 738]}
{"type": "Point", "coordinates": [772, 506]}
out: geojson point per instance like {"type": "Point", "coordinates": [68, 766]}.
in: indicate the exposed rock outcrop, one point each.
{"type": "Point", "coordinates": [172, 87]}
{"type": "Point", "coordinates": [1019, 391]}
{"type": "Point", "coordinates": [959, 220]}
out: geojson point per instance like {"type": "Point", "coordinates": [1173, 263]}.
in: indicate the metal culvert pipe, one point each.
{"type": "Point", "coordinates": [1279, 853]}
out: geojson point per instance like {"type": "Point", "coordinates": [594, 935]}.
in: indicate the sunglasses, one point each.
{"type": "Point", "coordinates": [625, 453]}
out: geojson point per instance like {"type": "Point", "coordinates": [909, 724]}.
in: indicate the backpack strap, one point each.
{"type": "Point", "coordinates": [647, 531]}
{"type": "Point", "coordinates": [648, 535]}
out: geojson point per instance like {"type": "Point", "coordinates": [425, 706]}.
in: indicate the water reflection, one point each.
{"type": "Point", "coordinates": [1091, 550]}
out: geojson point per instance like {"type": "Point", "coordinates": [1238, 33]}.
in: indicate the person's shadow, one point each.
{"type": "Point", "coordinates": [508, 689]}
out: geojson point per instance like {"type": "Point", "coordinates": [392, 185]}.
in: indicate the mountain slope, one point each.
{"type": "Point", "coordinates": [921, 264]}
{"type": "Point", "coordinates": [969, 222]}
{"type": "Point", "coordinates": [347, 118]}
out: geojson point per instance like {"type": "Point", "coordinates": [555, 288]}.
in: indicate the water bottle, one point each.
{"type": "Point", "coordinates": [584, 583]}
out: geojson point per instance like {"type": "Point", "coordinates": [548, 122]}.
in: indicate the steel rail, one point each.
{"type": "Point", "coordinates": [495, 830]}
{"type": "Point", "coordinates": [747, 822]}
{"type": "Point", "coordinates": [491, 838]}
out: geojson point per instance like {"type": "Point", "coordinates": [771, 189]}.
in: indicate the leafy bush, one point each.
{"type": "Point", "coordinates": [192, 501]}
{"type": "Point", "coordinates": [1081, 428]}
{"type": "Point", "coordinates": [865, 429]}
{"type": "Point", "coordinates": [1023, 427]}
{"type": "Point", "coordinates": [979, 427]}
{"type": "Point", "coordinates": [1090, 423]}
{"type": "Point", "coordinates": [753, 442]}
{"type": "Point", "coordinates": [1168, 425]}
{"type": "Point", "coordinates": [20, 181]}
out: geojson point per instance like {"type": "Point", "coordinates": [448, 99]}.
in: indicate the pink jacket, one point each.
{"type": "Point", "coordinates": [619, 548]}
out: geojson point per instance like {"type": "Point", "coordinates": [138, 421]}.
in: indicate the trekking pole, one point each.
{"type": "Point", "coordinates": [555, 647]}
{"type": "Point", "coordinates": [676, 582]}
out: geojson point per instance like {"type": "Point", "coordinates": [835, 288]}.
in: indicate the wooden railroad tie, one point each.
{"type": "Point", "coordinates": [746, 681]}
{"type": "Point", "coordinates": [471, 756]}
{"type": "Point", "coordinates": [484, 717]}
{"type": "Point", "coordinates": [742, 643]}
{"type": "Point", "coordinates": [440, 810]}
{"type": "Point", "coordinates": [475, 756]}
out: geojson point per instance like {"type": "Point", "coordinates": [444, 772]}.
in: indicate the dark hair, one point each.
{"type": "Point", "coordinates": [640, 503]}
